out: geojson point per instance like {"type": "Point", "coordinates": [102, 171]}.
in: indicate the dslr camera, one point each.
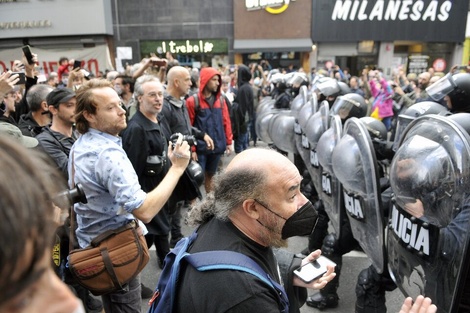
{"type": "Point", "coordinates": [189, 138]}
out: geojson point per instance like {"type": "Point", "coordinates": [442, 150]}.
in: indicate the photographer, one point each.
{"type": "Point", "coordinates": [145, 143]}
{"type": "Point", "coordinates": [176, 114]}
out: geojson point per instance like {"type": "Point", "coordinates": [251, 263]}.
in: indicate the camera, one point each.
{"type": "Point", "coordinates": [70, 196]}
{"type": "Point", "coordinates": [189, 138]}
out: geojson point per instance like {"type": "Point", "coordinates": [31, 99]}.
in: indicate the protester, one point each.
{"type": "Point", "coordinates": [256, 204]}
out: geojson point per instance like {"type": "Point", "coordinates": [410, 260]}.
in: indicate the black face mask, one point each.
{"type": "Point", "coordinates": [301, 223]}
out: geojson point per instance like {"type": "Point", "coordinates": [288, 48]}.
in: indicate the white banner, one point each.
{"type": "Point", "coordinates": [96, 58]}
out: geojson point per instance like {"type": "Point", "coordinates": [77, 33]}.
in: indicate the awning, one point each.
{"type": "Point", "coordinates": [272, 45]}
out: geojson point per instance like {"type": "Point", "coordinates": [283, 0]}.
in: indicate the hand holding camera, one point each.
{"type": "Point", "coordinates": [179, 151]}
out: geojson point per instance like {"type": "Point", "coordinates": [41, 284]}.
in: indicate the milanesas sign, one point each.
{"type": "Point", "coordinates": [389, 20]}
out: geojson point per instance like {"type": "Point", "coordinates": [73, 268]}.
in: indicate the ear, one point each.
{"type": "Point", "coordinates": [53, 109]}
{"type": "Point", "coordinates": [44, 106]}
{"type": "Point", "coordinates": [250, 208]}
{"type": "Point", "coordinates": [91, 118]}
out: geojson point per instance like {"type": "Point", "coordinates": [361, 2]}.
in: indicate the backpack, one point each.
{"type": "Point", "coordinates": [165, 293]}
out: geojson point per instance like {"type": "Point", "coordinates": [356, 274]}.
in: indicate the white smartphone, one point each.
{"type": "Point", "coordinates": [313, 270]}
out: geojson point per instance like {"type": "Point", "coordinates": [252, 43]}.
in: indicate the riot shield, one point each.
{"type": "Point", "coordinates": [429, 224]}
{"type": "Point", "coordinates": [296, 107]}
{"type": "Point", "coordinates": [264, 113]}
{"type": "Point", "coordinates": [281, 131]}
{"type": "Point", "coordinates": [355, 166]}
{"type": "Point", "coordinates": [331, 192]}
{"type": "Point", "coordinates": [314, 128]}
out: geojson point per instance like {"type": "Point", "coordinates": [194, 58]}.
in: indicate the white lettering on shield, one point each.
{"type": "Point", "coordinates": [410, 233]}
{"type": "Point", "coordinates": [353, 206]}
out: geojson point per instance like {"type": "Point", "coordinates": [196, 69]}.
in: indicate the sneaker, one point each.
{"type": "Point", "coordinates": [323, 302]}
{"type": "Point", "coordinates": [145, 292]}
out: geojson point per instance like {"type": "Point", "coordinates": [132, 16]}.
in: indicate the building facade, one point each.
{"type": "Point", "coordinates": [108, 34]}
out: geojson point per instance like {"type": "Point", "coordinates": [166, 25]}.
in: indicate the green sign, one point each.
{"type": "Point", "coordinates": [196, 46]}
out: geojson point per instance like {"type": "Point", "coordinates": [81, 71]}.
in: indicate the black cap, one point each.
{"type": "Point", "coordinates": [59, 95]}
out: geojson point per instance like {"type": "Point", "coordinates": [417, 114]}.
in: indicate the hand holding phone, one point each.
{"type": "Point", "coordinates": [21, 76]}
{"type": "Point", "coordinates": [77, 64]}
{"type": "Point", "coordinates": [28, 54]}
{"type": "Point", "coordinates": [313, 270]}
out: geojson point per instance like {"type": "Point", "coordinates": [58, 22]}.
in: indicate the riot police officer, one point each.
{"type": "Point", "coordinates": [336, 244]}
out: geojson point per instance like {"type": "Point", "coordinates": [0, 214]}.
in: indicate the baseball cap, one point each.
{"type": "Point", "coordinates": [13, 132]}
{"type": "Point", "coordinates": [59, 95]}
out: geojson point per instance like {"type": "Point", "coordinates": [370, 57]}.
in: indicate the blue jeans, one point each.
{"type": "Point", "coordinates": [387, 121]}
{"type": "Point", "coordinates": [209, 162]}
{"type": "Point", "coordinates": [241, 143]}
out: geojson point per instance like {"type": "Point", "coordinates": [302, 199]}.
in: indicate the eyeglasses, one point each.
{"type": "Point", "coordinates": [154, 95]}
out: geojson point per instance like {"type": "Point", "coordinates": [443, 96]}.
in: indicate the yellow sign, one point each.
{"type": "Point", "coordinates": [271, 6]}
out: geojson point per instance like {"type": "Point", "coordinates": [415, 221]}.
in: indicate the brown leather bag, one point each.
{"type": "Point", "coordinates": [112, 259]}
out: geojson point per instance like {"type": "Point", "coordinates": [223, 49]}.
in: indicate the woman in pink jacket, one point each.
{"type": "Point", "coordinates": [382, 93]}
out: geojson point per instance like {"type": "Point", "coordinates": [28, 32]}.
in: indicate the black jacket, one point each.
{"type": "Point", "coordinates": [176, 114]}
{"type": "Point", "coordinates": [29, 126]}
{"type": "Point", "coordinates": [57, 146]}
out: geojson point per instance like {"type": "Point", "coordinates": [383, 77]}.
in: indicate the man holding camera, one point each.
{"type": "Point", "coordinates": [145, 142]}
{"type": "Point", "coordinates": [176, 114]}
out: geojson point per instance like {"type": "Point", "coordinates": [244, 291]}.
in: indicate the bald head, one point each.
{"type": "Point", "coordinates": [179, 81]}
{"type": "Point", "coordinates": [261, 160]}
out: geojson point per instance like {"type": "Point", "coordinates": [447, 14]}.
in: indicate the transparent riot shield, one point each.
{"type": "Point", "coordinates": [301, 141]}
{"type": "Point", "coordinates": [281, 131]}
{"type": "Point", "coordinates": [264, 113]}
{"type": "Point", "coordinates": [429, 224]}
{"type": "Point", "coordinates": [355, 166]}
{"type": "Point", "coordinates": [315, 127]}
{"type": "Point", "coordinates": [331, 191]}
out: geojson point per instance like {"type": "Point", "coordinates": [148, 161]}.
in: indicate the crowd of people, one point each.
{"type": "Point", "coordinates": [113, 133]}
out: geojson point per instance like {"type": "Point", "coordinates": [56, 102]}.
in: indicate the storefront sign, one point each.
{"type": "Point", "coordinates": [418, 63]}
{"type": "Point", "coordinates": [389, 20]}
{"type": "Point", "coordinates": [95, 58]}
{"type": "Point", "coordinates": [184, 46]}
{"type": "Point", "coordinates": [391, 10]}
{"type": "Point", "coordinates": [47, 18]}
{"type": "Point", "coordinates": [271, 6]}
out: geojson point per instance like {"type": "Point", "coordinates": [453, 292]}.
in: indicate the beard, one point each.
{"type": "Point", "coordinates": [270, 234]}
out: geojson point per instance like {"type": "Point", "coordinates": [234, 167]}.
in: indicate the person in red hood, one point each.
{"type": "Point", "coordinates": [207, 113]}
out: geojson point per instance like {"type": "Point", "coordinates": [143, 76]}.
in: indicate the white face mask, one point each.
{"type": "Point", "coordinates": [65, 81]}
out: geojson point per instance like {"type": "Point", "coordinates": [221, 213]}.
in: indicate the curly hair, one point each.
{"type": "Point", "coordinates": [231, 188]}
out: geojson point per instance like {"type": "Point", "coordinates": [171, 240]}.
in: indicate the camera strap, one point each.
{"type": "Point", "coordinates": [72, 238]}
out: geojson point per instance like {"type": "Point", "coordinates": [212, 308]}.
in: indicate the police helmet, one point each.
{"type": "Point", "coordinates": [272, 73]}
{"type": "Point", "coordinates": [378, 134]}
{"type": "Point", "coordinates": [457, 87]}
{"type": "Point", "coordinates": [349, 105]}
{"type": "Point", "coordinates": [297, 79]}
{"type": "Point", "coordinates": [421, 175]}
{"type": "Point", "coordinates": [376, 128]}
{"type": "Point", "coordinates": [413, 112]}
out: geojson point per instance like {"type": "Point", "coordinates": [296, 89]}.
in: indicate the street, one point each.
{"type": "Point", "coordinates": [353, 263]}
